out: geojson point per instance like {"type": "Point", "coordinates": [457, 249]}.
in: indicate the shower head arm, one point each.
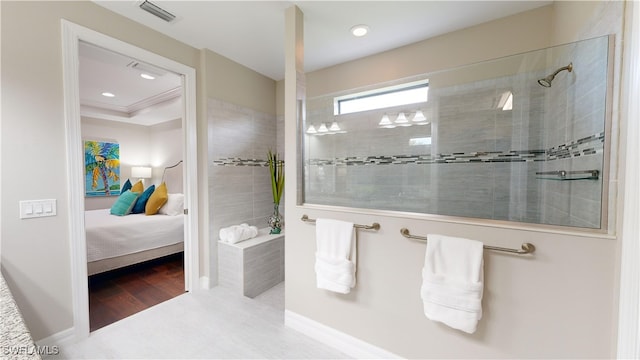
{"type": "Point", "coordinates": [569, 68]}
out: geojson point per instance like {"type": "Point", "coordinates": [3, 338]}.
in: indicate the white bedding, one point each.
{"type": "Point", "coordinates": [110, 236]}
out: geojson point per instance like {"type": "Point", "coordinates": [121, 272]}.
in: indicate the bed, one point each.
{"type": "Point", "coordinates": [118, 241]}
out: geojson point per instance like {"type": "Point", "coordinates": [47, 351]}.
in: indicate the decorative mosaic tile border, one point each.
{"type": "Point", "coordinates": [239, 162]}
{"type": "Point", "coordinates": [586, 146]}
{"type": "Point", "coordinates": [589, 145]}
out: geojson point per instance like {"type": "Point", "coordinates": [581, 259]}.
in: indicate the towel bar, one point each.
{"type": "Point", "coordinates": [527, 248]}
{"type": "Point", "coordinates": [568, 175]}
{"type": "Point", "coordinates": [374, 226]}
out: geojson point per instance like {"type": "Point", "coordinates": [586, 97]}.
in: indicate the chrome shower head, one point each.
{"type": "Point", "coordinates": [546, 82]}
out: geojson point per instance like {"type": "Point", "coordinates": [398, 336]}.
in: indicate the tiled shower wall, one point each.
{"type": "Point", "coordinates": [576, 107]}
{"type": "Point", "coordinates": [239, 182]}
{"type": "Point", "coordinates": [482, 161]}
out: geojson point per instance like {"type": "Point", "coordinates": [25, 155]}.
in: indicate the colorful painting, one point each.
{"type": "Point", "coordinates": [102, 168]}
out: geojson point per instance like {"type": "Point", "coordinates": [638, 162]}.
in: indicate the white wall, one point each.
{"type": "Point", "coordinates": [165, 150]}
{"type": "Point", "coordinates": [558, 303]}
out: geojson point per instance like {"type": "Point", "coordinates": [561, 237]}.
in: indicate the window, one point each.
{"type": "Point", "coordinates": [410, 93]}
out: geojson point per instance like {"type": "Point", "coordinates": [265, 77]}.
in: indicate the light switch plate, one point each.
{"type": "Point", "coordinates": [37, 208]}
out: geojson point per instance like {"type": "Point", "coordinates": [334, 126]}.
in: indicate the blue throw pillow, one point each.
{"type": "Point", "coordinates": [125, 203]}
{"type": "Point", "coordinates": [126, 186]}
{"type": "Point", "coordinates": [138, 208]}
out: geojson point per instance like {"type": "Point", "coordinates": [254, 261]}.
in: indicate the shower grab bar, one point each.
{"type": "Point", "coordinates": [374, 226]}
{"type": "Point", "coordinates": [527, 248]}
{"type": "Point", "coordinates": [563, 174]}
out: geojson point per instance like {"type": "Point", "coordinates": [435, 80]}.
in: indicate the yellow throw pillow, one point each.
{"type": "Point", "coordinates": [138, 187]}
{"type": "Point", "coordinates": [157, 199]}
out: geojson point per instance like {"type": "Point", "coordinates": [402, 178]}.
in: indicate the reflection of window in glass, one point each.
{"type": "Point", "coordinates": [410, 93]}
{"type": "Point", "coordinates": [506, 101]}
{"type": "Point", "coordinates": [420, 141]}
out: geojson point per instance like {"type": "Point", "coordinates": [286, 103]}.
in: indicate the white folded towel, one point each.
{"type": "Point", "coordinates": [335, 255]}
{"type": "Point", "coordinates": [236, 233]}
{"type": "Point", "coordinates": [453, 282]}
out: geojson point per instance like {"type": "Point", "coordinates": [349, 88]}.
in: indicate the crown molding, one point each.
{"type": "Point", "coordinates": [132, 110]}
{"type": "Point", "coordinates": [155, 100]}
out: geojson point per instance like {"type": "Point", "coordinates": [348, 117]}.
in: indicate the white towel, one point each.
{"type": "Point", "coordinates": [453, 282]}
{"type": "Point", "coordinates": [236, 233]}
{"type": "Point", "coordinates": [335, 256]}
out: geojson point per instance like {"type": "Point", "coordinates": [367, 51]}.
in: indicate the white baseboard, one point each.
{"type": "Point", "coordinates": [338, 340]}
{"type": "Point", "coordinates": [205, 283]}
{"type": "Point", "coordinates": [59, 338]}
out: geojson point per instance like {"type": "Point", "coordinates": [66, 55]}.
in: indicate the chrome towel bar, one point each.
{"type": "Point", "coordinates": [374, 226]}
{"type": "Point", "coordinates": [569, 175]}
{"type": "Point", "coordinates": [527, 248]}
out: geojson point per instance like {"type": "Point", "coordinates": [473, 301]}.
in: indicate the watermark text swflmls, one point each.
{"type": "Point", "coordinates": [30, 350]}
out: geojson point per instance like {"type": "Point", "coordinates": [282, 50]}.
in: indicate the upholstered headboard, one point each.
{"type": "Point", "coordinates": [172, 176]}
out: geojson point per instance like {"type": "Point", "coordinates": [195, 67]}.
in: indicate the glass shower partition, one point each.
{"type": "Point", "coordinates": [521, 138]}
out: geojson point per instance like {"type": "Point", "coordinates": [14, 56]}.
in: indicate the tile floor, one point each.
{"type": "Point", "coordinates": [212, 324]}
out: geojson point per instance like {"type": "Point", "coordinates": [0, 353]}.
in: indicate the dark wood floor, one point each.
{"type": "Point", "coordinates": [120, 293]}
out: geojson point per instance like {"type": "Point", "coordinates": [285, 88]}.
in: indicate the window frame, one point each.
{"type": "Point", "coordinates": [338, 100]}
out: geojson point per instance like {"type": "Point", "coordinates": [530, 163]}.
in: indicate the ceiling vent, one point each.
{"type": "Point", "coordinates": [157, 11]}
{"type": "Point", "coordinates": [146, 68]}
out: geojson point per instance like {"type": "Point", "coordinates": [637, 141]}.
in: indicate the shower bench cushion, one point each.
{"type": "Point", "coordinates": [252, 266]}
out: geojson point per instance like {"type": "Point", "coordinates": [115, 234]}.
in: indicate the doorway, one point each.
{"type": "Point", "coordinates": [134, 261]}
{"type": "Point", "coordinates": [72, 36]}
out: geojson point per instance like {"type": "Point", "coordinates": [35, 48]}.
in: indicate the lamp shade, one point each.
{"type": "Point", "coordinates": [141, 172]}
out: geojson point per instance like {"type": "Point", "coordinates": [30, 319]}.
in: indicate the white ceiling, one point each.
{"type": "Point", "coordinates": [137, 100]}
{"type": "Point", "coordinates": [251, 33]}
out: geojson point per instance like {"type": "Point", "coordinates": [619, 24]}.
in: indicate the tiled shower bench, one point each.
{"type": "Point", "coordinates": [252, 266]}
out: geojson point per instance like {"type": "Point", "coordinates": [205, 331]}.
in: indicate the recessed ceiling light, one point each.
{"type": "Point", "coordinates": [108, 94]}
{"type": "Point", "coordinates": [147, 76]}
{"type": "Point", "coordinates": [359, 30]}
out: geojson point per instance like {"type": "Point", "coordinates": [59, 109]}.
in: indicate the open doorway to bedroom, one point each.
{"type": "Point", "coordinates": [131, 125]}
{"type": "Point", "coordinates": [118, 134]}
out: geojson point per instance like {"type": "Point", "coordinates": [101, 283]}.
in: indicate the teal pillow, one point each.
{"type": "Point", "coordinates": [138, 208]}
{"type": "Point", "coordinates": [125, 203]}
{"type": "Point", "coordinates": [126, 186]}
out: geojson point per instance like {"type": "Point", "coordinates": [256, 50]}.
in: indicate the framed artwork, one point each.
{"type": "Point", "coordinates": [102, 168]}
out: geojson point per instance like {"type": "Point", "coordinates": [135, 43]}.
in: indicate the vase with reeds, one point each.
{"type": "Point", "coordinates": [276, 171]}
